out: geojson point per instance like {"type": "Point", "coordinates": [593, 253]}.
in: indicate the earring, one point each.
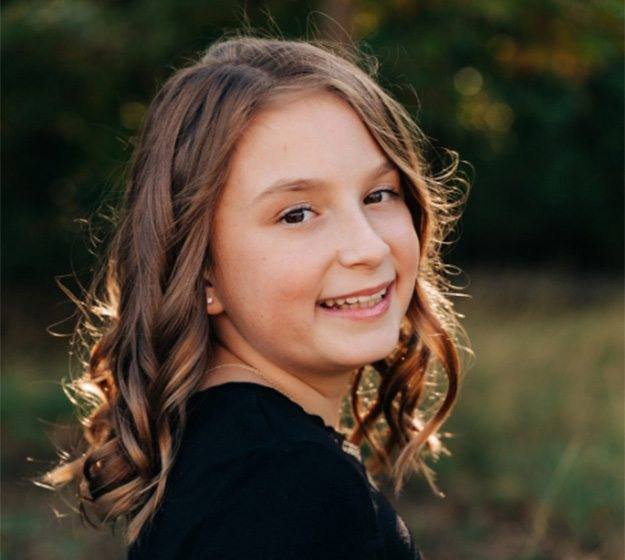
{"type": "Point", "coordinates": [209, 299]}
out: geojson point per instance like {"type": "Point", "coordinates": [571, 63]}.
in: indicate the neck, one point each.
{"type": "Point", "coordinates": [322, 397]}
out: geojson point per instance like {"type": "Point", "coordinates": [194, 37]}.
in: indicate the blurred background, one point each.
{"type": "Point", "coordinates": [529, 93]}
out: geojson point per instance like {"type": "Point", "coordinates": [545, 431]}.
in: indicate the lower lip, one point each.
{"type": "Point", "coordinates": [367, 313]}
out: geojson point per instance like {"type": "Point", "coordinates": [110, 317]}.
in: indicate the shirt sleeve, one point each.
{"type": "Point", "coordinates": [295, 501]}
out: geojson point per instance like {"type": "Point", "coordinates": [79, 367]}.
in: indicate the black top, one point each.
{"type": "Point", "coordinates": [259, 477]}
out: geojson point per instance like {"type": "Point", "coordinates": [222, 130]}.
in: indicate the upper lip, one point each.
{"type": "Point", "coordinates": [365, 292]}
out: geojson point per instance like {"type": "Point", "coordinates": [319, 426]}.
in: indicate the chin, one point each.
{"type": "Point", "coordinates": [359, 355]}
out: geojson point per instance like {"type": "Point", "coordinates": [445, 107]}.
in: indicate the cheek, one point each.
{"type": "Point", "coordinates": [291, 281]}
{"type": "Point", "coordinates": [404, 243]}
{"type": "Point", "coordinates": [277, 280]}
{"type": "Point", "coordinates": [402, 237]}
{"type": "Point", "coordinates": [412, 249]}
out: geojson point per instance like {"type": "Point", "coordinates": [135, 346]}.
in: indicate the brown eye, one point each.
{"type": "Point", "coordinates": [392, 192]}
{"type": "Point", "coordinates": [291, 217]}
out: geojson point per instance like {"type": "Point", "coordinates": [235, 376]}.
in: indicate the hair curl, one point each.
{"type": "Point", "coordinates": [142, 323]}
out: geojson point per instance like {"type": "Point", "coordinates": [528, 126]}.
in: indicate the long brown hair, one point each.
{"type": "Point", "coordinates": [143, 326]}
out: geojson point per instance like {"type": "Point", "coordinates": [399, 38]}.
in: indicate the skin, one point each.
{"type": "Point", "coordinates": [270, 274]}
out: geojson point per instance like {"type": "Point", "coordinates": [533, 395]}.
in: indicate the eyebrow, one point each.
{"type": "Point", "coordinates": [304, 184]}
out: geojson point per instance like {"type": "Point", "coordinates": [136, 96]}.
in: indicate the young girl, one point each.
{"type": "Point", "coordinates": [277, 249]}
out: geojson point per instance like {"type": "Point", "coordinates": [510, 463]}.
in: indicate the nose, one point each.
{"type": "Point", "coordinates": [360, 242]}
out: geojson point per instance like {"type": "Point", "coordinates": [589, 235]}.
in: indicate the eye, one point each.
{"type": "Point", "coordinates": [392, 192]}
{"type": "Point", "coordinates": [290, 218]}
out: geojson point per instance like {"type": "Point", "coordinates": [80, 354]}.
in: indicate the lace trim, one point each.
{"type": "Point", "coordinates": [352, 449]}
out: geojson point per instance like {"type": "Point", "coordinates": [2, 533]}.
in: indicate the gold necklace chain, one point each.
{"type": "Point", "coordinates": [242, 366]}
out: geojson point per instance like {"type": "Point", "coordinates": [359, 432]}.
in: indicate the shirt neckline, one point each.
{"type": "Point", "coordinates": [273, 391]}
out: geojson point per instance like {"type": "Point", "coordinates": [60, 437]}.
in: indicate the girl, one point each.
{"type": "Point", "coordinates": [277, 249]}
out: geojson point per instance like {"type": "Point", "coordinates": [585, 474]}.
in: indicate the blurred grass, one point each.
{"type": "Point", "coordinates": [537, 465]}
{"type": "Point", "coordinates": [536, 470]}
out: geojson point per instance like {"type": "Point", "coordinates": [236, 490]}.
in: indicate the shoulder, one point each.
{"type": "Point", "coordinates": [304, 469]}
{"type": "Point", "coordinates": [299, 499]}
{"type": "Point", "coordinates": [252, 462]}
{"type": "Point", "coordinates": [232, 419]}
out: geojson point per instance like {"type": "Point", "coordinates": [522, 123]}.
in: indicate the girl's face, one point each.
{"type": "Point", "coordinates": [277, 253]}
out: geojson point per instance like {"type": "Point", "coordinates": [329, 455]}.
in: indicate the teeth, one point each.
{"type": "Point", "coordinates": [355, 302]}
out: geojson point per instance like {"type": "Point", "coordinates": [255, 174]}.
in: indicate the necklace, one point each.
{"type": "Point", "coordinates": [280, 389]}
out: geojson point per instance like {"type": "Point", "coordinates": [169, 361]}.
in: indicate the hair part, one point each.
{"type": "Point", "coordinates": [143, 328]}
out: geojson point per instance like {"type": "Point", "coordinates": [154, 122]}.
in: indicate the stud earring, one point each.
{"type": "Point", "coordinates": [209, 300]}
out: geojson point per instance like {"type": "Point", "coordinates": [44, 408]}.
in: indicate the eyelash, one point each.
{"type": "Point", "coordinates": [392, 192]}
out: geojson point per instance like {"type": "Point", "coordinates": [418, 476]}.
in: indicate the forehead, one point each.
{"type": "Point", "coordinates": [316, 135]}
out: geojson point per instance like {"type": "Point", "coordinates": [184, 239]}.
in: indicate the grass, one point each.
{"type": "Point", "coordinates": [537, 465]}
{"type": "Point", "coordinates": [536, 470]}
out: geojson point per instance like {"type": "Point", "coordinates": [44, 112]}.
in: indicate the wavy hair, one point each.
{"type": "Point", "coordinates": [145, 337]}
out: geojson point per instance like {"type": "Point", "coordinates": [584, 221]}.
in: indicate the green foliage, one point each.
{"type": "Point", "coordinates": [530, 93]}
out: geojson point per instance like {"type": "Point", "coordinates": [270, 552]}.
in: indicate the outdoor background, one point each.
{"type": "Point", "coordinates": [529, 92]}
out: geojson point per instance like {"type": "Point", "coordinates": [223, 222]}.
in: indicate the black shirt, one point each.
{"type": "Point", "coordinates": [258, 477]}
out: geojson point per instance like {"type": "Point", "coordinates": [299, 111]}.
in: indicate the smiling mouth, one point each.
{"type": "Point", "coordinates": [360, 302]}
